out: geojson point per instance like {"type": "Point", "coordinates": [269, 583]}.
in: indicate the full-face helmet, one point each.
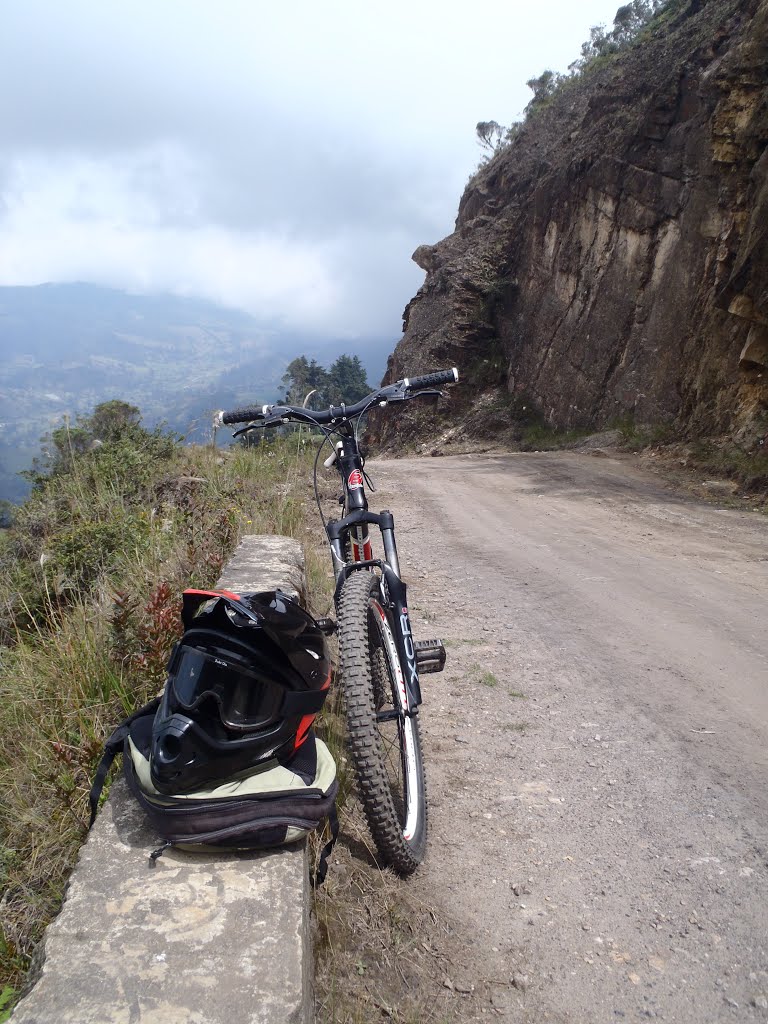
{"type": "Point", "coordinates": [245, 683]}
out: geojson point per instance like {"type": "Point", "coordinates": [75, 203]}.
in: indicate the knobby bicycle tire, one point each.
{"type": "Point", "coordinates": [386, 753]}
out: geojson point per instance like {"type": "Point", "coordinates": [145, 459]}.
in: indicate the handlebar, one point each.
{"type": "Point", "coordinates": [272, 415]}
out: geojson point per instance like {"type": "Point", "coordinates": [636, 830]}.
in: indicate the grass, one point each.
{"type": "Point", "coordinates": [634, 437]}
{"type": "Point", "coordinates": [373, 941]}
{"type": "Point", "coordinates": [7, 996]}
{"type": "Point", "coordinates": [723, 459]}
{"type": "Point", "coordinates": [90, 581]}
{"type": "Point", "coordinates": [714, 457]}
{"type": "Point", "coordinates": [540, 437]}
{"type": "Point", "coordinates": [483, 676]}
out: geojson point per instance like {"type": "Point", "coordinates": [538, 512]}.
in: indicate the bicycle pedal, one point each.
{"type": "Point", "coordinates": [430, 655]}
{"type": "Point", "coordinates": [326, 626]}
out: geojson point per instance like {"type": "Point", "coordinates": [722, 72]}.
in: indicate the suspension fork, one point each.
{"type": "Point", "coordinates": [396, 592]}
{"type": "Point", "coordinates": [394, 588]}
{"type": "Point", "coordinates": [338, 529]}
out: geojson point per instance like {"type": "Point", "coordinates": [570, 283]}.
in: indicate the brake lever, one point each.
{"type": "Point", "coordinates": [428, 391]}
{"type": "Point", "coordinates": [273, 421]}
{"type": "Point", "coordinates": [406, 396]}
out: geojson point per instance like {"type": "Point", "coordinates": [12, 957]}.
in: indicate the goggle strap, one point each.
{"type": "Point", "coordinates": [172, 657]}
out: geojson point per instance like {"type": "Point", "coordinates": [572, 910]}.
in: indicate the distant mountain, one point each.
{"type": "Point", "coordinates": [67, 347]}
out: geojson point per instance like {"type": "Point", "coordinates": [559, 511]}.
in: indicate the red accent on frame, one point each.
{"type": "Point", "coordinates": [215, 593]}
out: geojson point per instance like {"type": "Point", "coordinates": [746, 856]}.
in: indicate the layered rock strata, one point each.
{"type": "Point", "coordinates": [612, 262]}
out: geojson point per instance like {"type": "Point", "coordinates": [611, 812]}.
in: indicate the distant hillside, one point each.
{"type": "Point", "coordinates": [67, 347]}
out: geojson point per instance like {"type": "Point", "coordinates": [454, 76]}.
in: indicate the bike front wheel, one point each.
{"type": "Point", "coordinates": [384, 742]}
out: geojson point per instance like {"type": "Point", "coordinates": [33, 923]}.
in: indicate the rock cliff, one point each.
{"type": "Point", "coordinates": [612, 262]}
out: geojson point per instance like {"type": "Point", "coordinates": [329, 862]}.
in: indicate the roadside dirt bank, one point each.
{"type": "Point", "coordinates": [596, 748]}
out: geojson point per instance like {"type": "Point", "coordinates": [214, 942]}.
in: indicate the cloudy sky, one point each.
{"type": "Point", "coordinates": [285, 159]}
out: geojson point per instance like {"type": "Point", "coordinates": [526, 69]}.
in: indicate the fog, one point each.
{"type": "Point", "coordinates": [284, 161]}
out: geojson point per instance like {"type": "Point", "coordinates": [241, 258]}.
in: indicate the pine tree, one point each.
{"type": "Point", "coordinates": [347, 380]}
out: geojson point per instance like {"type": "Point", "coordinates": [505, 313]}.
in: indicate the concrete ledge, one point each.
{"type": "Point", "coordinates": [265, 563]}
{"type": "Point", "coordinates": [198, 939]}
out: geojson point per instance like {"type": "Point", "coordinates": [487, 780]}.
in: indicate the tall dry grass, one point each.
{"type": "Point", "coordinates": [90, 582]}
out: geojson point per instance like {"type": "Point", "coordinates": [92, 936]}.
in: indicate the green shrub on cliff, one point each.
{"type": "Point", "coordinates": [91, 502]}
{"type": "Point", "coordinates": [630, 22]}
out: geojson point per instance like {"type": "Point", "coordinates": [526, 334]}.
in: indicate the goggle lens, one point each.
{"type": "Point", "coordinates": [245, 701]}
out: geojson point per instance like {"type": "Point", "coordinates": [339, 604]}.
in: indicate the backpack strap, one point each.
{"type": "Point", "coordinates": [112, 748]}
{"type": "Point", "coordinates": [317, 878]}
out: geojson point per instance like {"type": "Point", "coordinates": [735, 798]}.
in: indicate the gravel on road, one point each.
{"type": "Point", "coordinates": [597, 747]}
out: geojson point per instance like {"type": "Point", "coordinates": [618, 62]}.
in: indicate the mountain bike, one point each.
{"type": "Point", "coordinates": [380, 661]}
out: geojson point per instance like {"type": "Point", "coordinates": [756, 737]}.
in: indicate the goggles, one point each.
{"type": "Point", "coordinates": [248, 699]}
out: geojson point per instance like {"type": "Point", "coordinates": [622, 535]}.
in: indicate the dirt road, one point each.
{"type": "Point", "coordinates": [598, 744]}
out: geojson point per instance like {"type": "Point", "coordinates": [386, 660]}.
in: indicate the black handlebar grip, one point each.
{"type": "Point", "coordinates": [242, 415]}
{"type": "Point", "coordinates": [430, 380]}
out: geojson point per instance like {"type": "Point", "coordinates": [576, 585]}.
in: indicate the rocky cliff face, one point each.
{"type": "Point", "coordinates": [612, 263]}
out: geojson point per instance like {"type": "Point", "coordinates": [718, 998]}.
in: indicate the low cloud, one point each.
{"type": "Point", "coordinates": [284, 160]}
{"type": "Point", "coordinates": [136, 223]}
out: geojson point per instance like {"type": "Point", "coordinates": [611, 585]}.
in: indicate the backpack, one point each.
{"type": "Point", "coordinates": [269, 806]}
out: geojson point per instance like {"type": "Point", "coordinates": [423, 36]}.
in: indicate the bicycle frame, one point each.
{"type": "Point", "coordinates": [348, 536]}
{"type": "Point", "coordinates": [350, 533]}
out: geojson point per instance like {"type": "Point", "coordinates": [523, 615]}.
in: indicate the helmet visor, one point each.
{"type": "Point", "coordinates": [246, 699]}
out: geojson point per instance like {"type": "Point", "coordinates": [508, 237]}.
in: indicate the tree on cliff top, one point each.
{"type": "Point", "coordinates": [490, 135]}
{"type": "Point", "coordinates": [629, 21]}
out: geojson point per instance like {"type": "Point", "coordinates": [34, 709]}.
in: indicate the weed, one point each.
{"type": "Point", "coordinates": [718, 457]}
{"type": "Point", "coordinates": [374, 958]}
{"type": "Point", "coordinates": [635, 437]}
{"type": "Point", "coordinates": [7, 996]}
{"type": "Point", "coordinates": [517, 693]}
{"type": "Point", "coordinates": [540, 437]}
{"type": "Point", "coordinates": [748, 468]}
{"type": "Point", "coordinates": [488, 679]}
